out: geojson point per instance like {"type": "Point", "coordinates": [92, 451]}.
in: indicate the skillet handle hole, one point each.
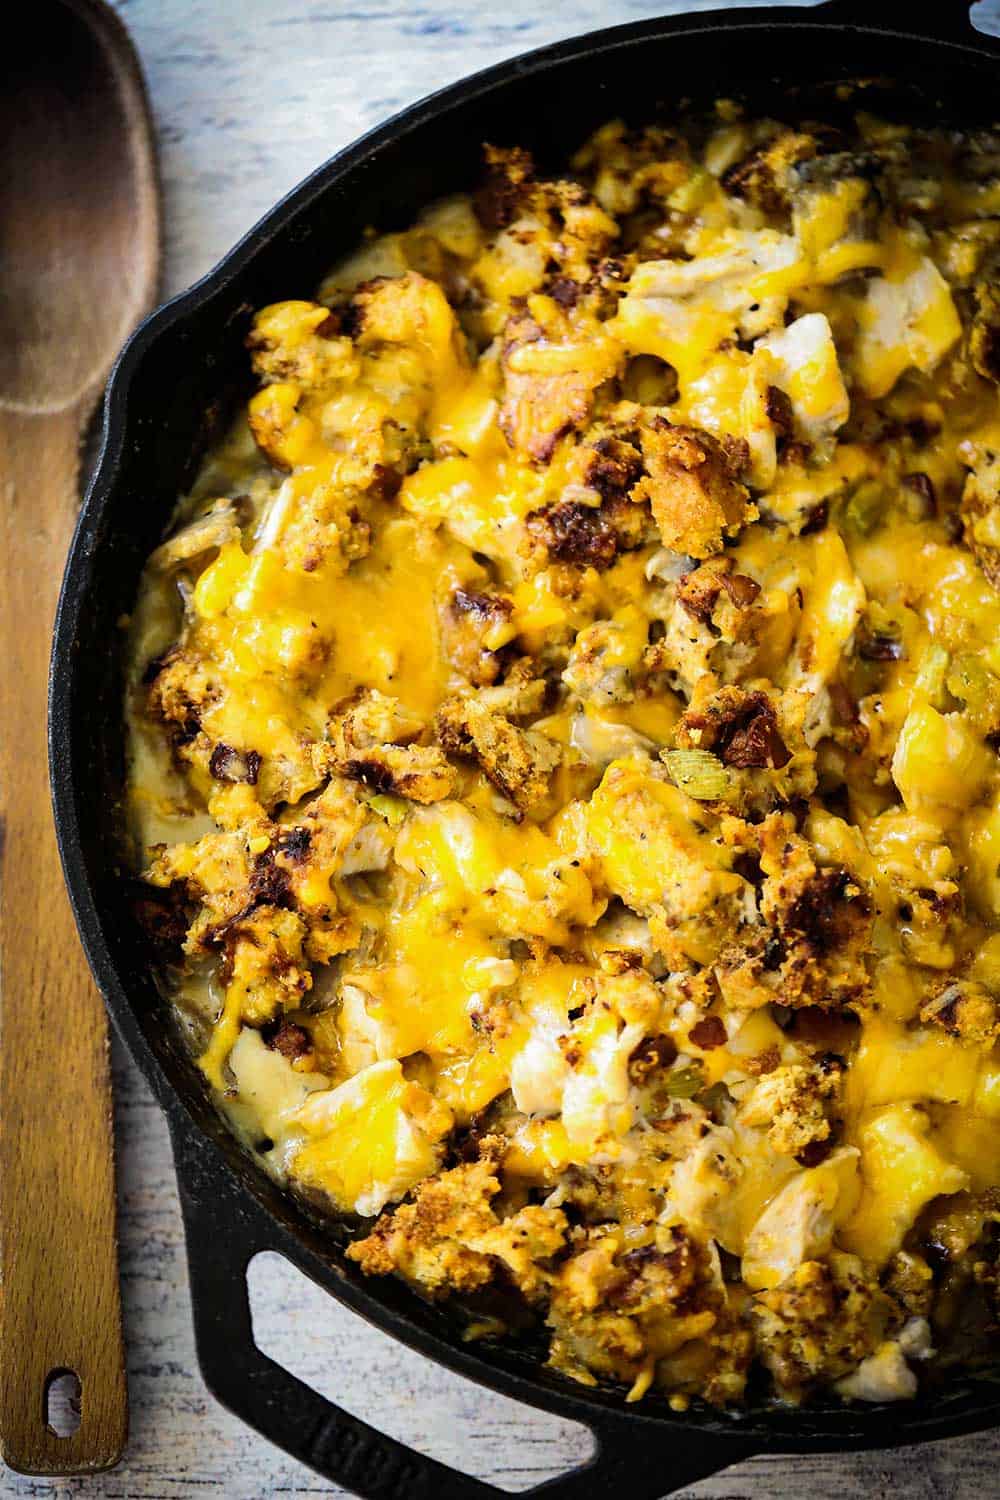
{"type": "Point", "coordinates": [985, 17]}
{"type": "Point", "coordinates": [401, 1393]}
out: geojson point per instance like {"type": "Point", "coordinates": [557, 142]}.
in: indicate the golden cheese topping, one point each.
{"type": "Point", "coordinates": [563, 727]}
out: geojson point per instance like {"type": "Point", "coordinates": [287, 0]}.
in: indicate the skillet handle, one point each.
{"type": "Point", "coordinates": [225, 1228]}
{"type": "Point", "coordinates": [943, 20]}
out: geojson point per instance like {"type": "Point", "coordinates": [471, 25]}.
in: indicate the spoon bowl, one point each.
{"type": "Point", "coordinates": [78, 204]}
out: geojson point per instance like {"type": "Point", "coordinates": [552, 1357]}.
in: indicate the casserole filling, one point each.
{"type": "Point", "coordinates": [563, 730]}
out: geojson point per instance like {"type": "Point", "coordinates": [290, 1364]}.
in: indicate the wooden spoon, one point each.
{"type": "Point", "coordinates": [79, 250]}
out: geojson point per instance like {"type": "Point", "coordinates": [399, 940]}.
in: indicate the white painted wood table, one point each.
{"type": "Point", "coordinates": [249, 95]}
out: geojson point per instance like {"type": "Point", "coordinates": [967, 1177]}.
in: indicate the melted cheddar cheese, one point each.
{"type": "Point", "coordinates": [563, 727]}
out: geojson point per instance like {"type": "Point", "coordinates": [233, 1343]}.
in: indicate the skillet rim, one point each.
{"type": "Point", "coordinates": [813, 1429]}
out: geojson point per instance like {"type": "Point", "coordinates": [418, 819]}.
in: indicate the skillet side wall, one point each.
{"type": "Point", "coordinates": [185, 371]}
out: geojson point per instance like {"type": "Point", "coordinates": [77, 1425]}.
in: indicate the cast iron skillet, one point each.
{"type": "Point", "coordinates": [172, 383]}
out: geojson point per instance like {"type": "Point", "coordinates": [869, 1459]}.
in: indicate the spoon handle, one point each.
{"type": "Point", "coordinates": [60, 1306]}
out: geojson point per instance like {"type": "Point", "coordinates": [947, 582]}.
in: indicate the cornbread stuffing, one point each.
{"type": "Point", "coordinates": [563, 727]}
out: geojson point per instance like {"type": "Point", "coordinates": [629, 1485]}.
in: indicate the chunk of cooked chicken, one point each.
{"type": "Point", "coordinates": [552, 370]}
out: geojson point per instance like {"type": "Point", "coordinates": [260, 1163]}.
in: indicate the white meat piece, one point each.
{"type": "Point", "coordinates": [803, 364]}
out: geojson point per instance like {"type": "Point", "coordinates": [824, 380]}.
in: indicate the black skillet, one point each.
{"type": "Point", "coordinates": [181, 372]}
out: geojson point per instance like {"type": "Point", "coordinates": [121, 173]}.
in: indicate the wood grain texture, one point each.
{"type": "Point", "coordinates": [60, 1307]}
{"type": "Point", "coordinates": [248, 98]}
{"type": "Point", "coordinates": [77, 254]}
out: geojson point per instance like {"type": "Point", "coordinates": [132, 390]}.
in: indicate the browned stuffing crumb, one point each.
{"type": "Point", "coordinates": [821, 1322]}
{"type": "Point", "coordinates": [287, 1038]}
{"type": "Point", "coordinates": [764, 177]}
{"type": "Point", "coordinates": [370, 740]}
{"type": "Point", "coordinates": [475, 626]}
{"type": "Point", "coordinates": [616, 1313]}
{"type": "Point", "coordinates": [984, 332]}
{"type": "Point", "coordinates": [740, 727]}
{"type": "Point", "coordinates": [517, 761]}
{"type": "Point", "coordinates": [693, 485]}
{"type": "Point", "coordinates": [966, 1010]}
{"type": "Point", "coordinates": [590, 536]}
{"type": "Point", "coordinates": [451, 1237]}
{"type": "Point", "coordinates": [981, 508]}
{"type": "Point", "coordinates": [542, 404]}
{"type": "Point", "coordinates": [793, 1103]}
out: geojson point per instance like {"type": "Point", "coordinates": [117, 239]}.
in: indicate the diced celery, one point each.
{"type": "Point", "coordinates": [977, 689]}
{"type": "Point", "coordinates": [392, 809]}
{"type": "Point", "coordinates": [930, 679]}
{"type": "Point", "coordinates": [697, 772]}
{"type": "Point", "coordinates": [684, 1083]}
{"type": "Point", "coordinates": [866, 507]}
{"type": "Point", "coordinates": [692, 192]}
{"type": "Point", "coordinates": [970, 680]}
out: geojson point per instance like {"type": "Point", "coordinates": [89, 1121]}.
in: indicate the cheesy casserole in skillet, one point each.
{"type": "Point", "coordinates": [563, 755]}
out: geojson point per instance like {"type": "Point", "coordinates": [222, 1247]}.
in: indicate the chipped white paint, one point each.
{"type": "Point", "coordinates": [248, 97]}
